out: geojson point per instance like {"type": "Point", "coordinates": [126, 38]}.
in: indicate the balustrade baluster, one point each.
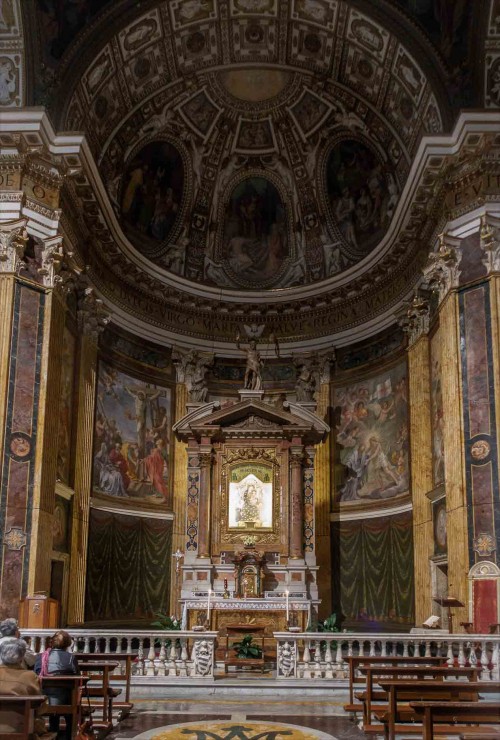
{"type": "Point", "coordinates": [172, 670]}
{"type": "Point", "coordinates": [451, 659]}
{"type": "Point", "coordinates": [383, 648]}
{"type": "Point", "coordinates": [306, 657]}
{"type": "Point", "coordinates": [161, 662]}
{"type": "Point", "coordinates": [495, 655]}
{"type": "Point", "coordinates": [485, 662]}
{"type": "Point", "coordinates": [461, 654]}
{"type": "Point", "coordinates": [183, 658]}
{"type": "Point", "coordinates": [140, 657]}
{"type": "Point", "coordinates": [150, 661]}
{"type": "Point", "coordinates": [329, 659]}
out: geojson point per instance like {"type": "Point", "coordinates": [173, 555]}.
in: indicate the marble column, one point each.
{"type": "Point", "coordinates": [297, 502]}
{"type": "Point", "coordinates": [415, 322]}
{"type": "Point", "coordinates": [204, 502]}
{"type": "Point", "coordinates": [442, 274]}
{"type": "Point", "coordinates": [179, 498]}
{"type": "Point", "coordinates": [322, 506]}
{"type": "Point", "coordinates": [91, 321]}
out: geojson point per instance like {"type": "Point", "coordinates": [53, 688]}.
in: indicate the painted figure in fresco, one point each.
{"type": "Point", "coordinates": [155, 463]}
{"type": "Point", "coordinates": [344, 212]}
{"type": "Point", "coordinates": [250, 509]}
{"type": "Point", "coordinates": [109, 478]}
{"type": "Point", "coordinates": [142, 397]}
{"type": "Point", "coordinates": [356, 464]}
{"type": "Point", "coordinates": [117, 459]}
{"type": "Point", "coordinates": [379, 464]}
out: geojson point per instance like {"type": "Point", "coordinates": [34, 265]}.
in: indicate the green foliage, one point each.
{"type": "Point", "coordinates": [329, 625]}
{"type": "Point", "coordinates": [165, 622]}
{"type": "Point", "coordinates": [245, 649]}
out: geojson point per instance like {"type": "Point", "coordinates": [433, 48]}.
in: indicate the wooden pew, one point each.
{"type": "Point", "coordinates": [355, 661]}
{"type": "Point", "coordinates": [400, 672]}
{"type": "Point", "coordinates": [77, 685]}
{"type": "Point", "coordinates": [430, 690]}
{"type": "Point", "coordinates": [22, 710]}
{"type": "Point", "coordinates": [124, 707]}
{"type": "Point", "coordinates": [454, 713]}
{"type": "Point", "coordinates": [101, 695]}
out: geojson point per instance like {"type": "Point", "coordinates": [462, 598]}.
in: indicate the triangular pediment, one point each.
{"type": "Point", "coordinates": [251, 418]}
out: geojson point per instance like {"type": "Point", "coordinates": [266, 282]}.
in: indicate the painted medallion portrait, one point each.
{"type": "Point", "coordinates": [251, 497]}
{"type": "Point", "coordinates": [255, 234]}
{"type": "Point", "coordinates": [151, 196]}
{"type": "Point", "coordinates": [362, 196]}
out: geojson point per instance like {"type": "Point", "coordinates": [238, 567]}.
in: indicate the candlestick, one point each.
{"type": "Point", "coordinates": [208, 609]}
{"type": "Point", "coordinates": [287, 607]}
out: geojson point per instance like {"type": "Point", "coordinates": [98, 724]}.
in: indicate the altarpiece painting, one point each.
{"type": "Point", "coordinates": [250, 494]}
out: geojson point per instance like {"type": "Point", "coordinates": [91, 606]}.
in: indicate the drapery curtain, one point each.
{"type": "Point", "coordinates": [128, 572]}
{"type": "Point", "coordinates": [372, 566]}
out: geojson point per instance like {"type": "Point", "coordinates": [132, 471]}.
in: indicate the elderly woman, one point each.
{"type": "Point", "coordinates": [16, 681]}
{"type": "Point", "coordinates": [56, 661]}
{"type": "Point", "coordinates": [9, 630]}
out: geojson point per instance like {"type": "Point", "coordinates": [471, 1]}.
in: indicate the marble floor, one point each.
{"type": "Point", "coordinates": [233, 718]}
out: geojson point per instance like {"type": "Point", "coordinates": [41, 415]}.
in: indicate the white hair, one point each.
{"type": "Point", "coordinates": [12, 652]}
{"type": "Point", "coordinates": [8, 627]}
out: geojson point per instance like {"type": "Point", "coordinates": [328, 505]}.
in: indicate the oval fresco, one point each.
{"type": "Point", "coordinates": [255, 237]}
{"type": "Point", "coordinates": [362, 196]}
{"type": "Point", "coordinates": [151, 196]}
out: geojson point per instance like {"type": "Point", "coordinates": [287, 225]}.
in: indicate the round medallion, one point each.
{"type": "Point", "coordinates": [20, 446]}
{"type": "Point", "coordinates": [142, 68]}
{"type": "Point", "coordinates": [312, 43]}
{"type": "Point", "coordinates": [254, 33]}
{"type": "Point", "coordinates": [480, 449]}
{"type": "Point", "coordinates": [196, 42]}
{"type": "Point", "coordinates": [232, 729]}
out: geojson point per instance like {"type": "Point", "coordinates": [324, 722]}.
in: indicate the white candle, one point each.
{"type": "Point", "coordinates": [287, 606]}
{"type": "Point", "coordinates": [208, 609]}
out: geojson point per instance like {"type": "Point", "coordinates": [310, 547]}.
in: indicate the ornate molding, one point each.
{"type": "Point", "coordinates": [13, 240]}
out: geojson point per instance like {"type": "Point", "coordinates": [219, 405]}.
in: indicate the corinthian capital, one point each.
{"type": "Point", "coordinates": [92, 318]}
{"type": "Point", "coordinates": [442, 270]}
{"type": "Point", "coordinates": [414, 318]}
{"type": "Point", "coordinates": [490, 244]}
{"type": "Point", "coordinates": [13, 239]}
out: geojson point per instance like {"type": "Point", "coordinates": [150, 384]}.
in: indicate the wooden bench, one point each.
{"type": "Point", "coordinates": [355, 661]}
{"type": "Point", "coordinates": [455, 713]}
{"type": "Point", "coordinates": [101, 695]}
{"type": "Point", "coordinates": [123, 678]}
{"type": "Point", "coordinates": [430, 690]}
{"type": "Point", "coordinates": [74, 683]}
{"type": "Point", "coordinates": [401, 672]}
{"type": "Point", "coordinates": [19, 712]}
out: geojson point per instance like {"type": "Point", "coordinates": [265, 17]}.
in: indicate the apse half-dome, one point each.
{"type": "Point", "coordinates": [151, 197]}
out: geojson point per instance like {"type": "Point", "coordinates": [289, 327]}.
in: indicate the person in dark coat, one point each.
{"type": "Point", "coordinates": [56, 661]}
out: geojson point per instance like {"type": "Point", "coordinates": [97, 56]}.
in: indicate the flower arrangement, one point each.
{"type": "Point", "coordinates": [249, 541]}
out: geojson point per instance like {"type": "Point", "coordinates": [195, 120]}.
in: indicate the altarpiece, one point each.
{"type": "Point", "coordinates": [250, 534]}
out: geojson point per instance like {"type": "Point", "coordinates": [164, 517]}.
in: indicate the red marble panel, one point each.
{"type": "Point", "coordinates": [477, 362]}
{"type": "Point", "coordinates": [485, 592]}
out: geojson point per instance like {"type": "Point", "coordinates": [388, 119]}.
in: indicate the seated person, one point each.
{"type": "Point", "coordinates": [17, 681]}
{"type": "Point", "coordinates": [56, 661]}
{"type": "Point", "coordinates": [8, 631]}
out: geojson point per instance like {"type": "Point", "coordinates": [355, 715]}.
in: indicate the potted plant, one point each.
{"type": "Point", "coordinates": [168, 623]}
{"type": "Point", "coordinates": [245, 648]}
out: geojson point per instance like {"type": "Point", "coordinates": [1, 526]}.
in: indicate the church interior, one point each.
{"type": "Point", "coordinates": [250, 359]}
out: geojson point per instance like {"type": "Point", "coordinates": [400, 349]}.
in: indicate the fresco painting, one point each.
{"type": "Point", "coordinates": [66, 406]}
{"type": "Point", "coordinates": [151, 195]}
{"type": "Point", "coordinates": [362, 195]}
{"type": "Point", "coordinates": [372, 434]}
{"type": "Point", "coordinates": [131, 440]}
{"type": "Point", "coordinates": [62, 20]}
{"type": "Point", "coordinates": [437, 412]}
{"type": "Point", "coordinates": [61, 525]}
{"type": "Point", "coordinates": [255, 233]}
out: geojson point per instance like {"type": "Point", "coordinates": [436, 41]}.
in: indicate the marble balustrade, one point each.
{"type": "Point", "coordinates": [323, 655]}
{"type": "Point", "coordinates": [320, 656]}
{"type": "Point", "coordinates": [178, 654]}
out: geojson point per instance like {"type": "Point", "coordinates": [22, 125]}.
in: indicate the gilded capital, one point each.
{"type": "Point", "coordinates": [92, 318]}
{"type": "Point", "coordinates": [442, 271]}
{"type": "Point", "coordinates": [13, 240]}
{"type": "Point", "coordinates": [414, 319]}
{"type": "Point", "coordinates": [490, 244]}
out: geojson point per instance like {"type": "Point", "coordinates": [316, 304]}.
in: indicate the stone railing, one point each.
{"type": "Point", "coordinates": [322, 655]}
{"type": "Point", "coordinates": [176, 654]}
